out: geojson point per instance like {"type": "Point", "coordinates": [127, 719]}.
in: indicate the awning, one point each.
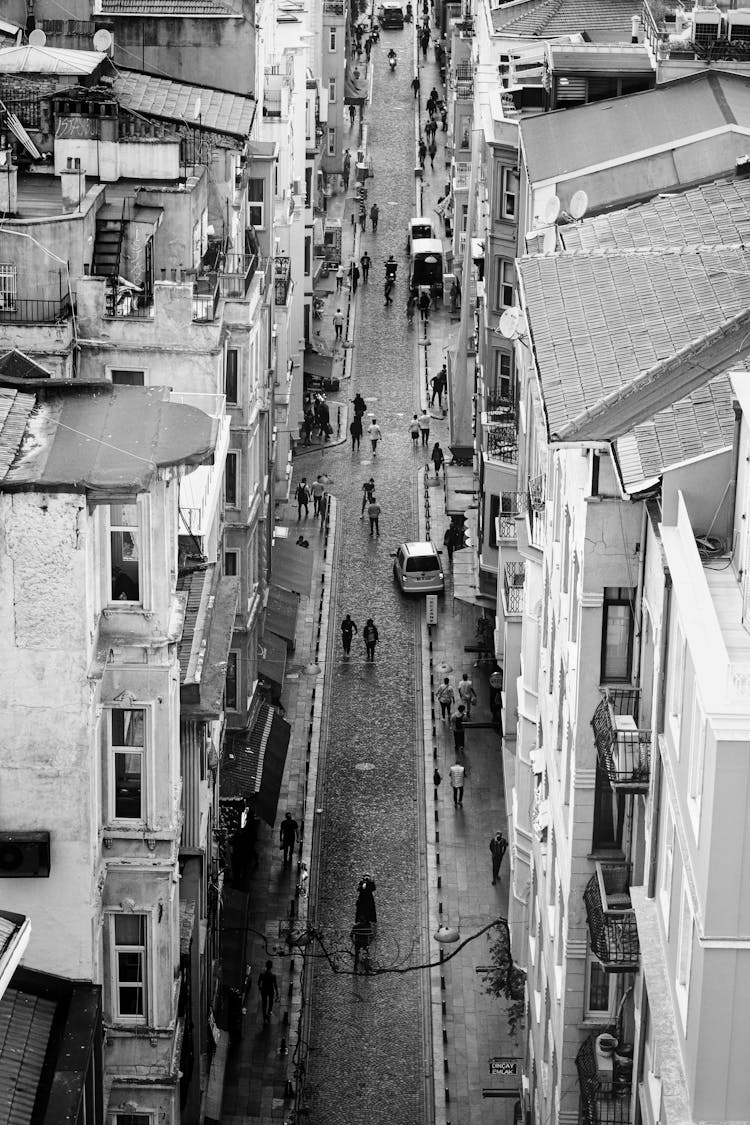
{"type": "Point", "coordinates": [292, 566]}
{"type": "Point", "coordinates": [355, 88]}
{"type": "Point", "coordinates": [206, 639]}
{"type": "Point", "coordinates": [317, 365]}
{"type": "Point", "coordinates": [467, 581]}
{"type": "Point", "coordinates": [461, 490]}
{"type": "Point", "coordinates": [272, 663]}
{"type": "Point", "coordinates": [252, 765]}
{"type": "Point", "coordinates": [281, 615]}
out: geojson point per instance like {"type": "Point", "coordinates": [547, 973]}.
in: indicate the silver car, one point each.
{"type": "Point", "coordinates": [418, 570]}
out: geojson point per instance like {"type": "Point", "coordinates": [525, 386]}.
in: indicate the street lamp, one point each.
{"type": "Point", "coordinates": [63, 262]}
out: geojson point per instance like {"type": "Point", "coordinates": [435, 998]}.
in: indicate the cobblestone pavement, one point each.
{"type": "Point", "coordinates": [369, 1055]}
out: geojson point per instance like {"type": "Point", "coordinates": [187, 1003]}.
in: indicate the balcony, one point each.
{"type": "Point", "coordinates": [512, 504]}
{"type": "Point", "coordinates": [333, 7]}
{"type": "Point", "coordinates": [15, 310]}
{"type": "Point", "coordinates": [604, 1081]}
{"type": "Point", "coordinates": [501, 442]}
{"type": "Point", "coordinates": [514, 576]}
{"type": "Point", "coordinates": [611, 920]}
{"type": "Point", "coordinates": [535, 510]}
{"type": "Point", "coordinates": [281, 279]}
{"type": "Point", "coordinates": [623, 749]}
{"type": "Point", "coordinates": [235, 273]}
{"type": "Point", "coordinates": [464, 80]}
{"type": "Point", "coordinates": [461, 175]}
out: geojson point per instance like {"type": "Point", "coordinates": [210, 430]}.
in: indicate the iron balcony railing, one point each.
{"type": "Point", "coordinates": [281, 278]}
{"type": "Point", "coordinates": [236, 271]}
{"type": "Point", "coordinates": [501, 442]}
{"type": "Point", "coordinates": [613, 932]}
{"type": "Point", "coordinates": [514, 576]}
{"type": "Point", "coordinates": [206, 294]}
{"type": "Point", "coordinates": [19, 310]}
{"type": "Point", "coordinates": [535, 510]}
{"type": "Point", "coordinates": [624, 751]}
{"type": "Point", "coordinates": [604, 1084]}
{"type": "Point", "coordinates": [512, 504]}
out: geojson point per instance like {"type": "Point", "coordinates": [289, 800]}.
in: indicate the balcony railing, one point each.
{"type": "Point", "coordinates": [206, 294]}
{"type": "Point", "coordinates": [236, 271]}
{"type": "Point", "coordinates": [624, 751]}
{"type": "Point", "coordinates": [613, 932]}
{"type": "Point", "coordinates": [535, 510]}
{"type": "Point", "coordinates": [514, 576]}
{"type": "Point", "coordinates": [501, 442]}
{"type": "Point", "coordinates": [604, 1084]}
{"type": "Point", "coordinates": [15, 310]}
{"type": "Point", "coordinates": [281, 278]}
{"type": "Point", "coordinates": [462, 173]}
{"type": "Point", "coordinates": [512, 504]}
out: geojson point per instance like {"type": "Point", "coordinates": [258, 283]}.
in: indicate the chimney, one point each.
{"type": "Point", "coordinates": [73, 184]}
{"type": "Point", "coordinates": [8, 180]}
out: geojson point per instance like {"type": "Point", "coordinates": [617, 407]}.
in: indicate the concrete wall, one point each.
{"type": "Point", "coordinates": [137, 158]}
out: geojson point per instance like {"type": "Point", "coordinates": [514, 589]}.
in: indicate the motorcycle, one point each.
{"type": "Point", "coordinates": [392, 59]}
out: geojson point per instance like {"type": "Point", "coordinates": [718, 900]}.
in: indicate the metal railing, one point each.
{"type": "Point", "coordinates": [613, 931]}
{"type": "Point", "coordinates": [501, 442]}
{"type": "Point", "coordinates": [236, 273]}
{"type": "Point", "coordinates": [19, 310]}
{"type": "Point", "coordinates": [535, 510]}
{"type": "Point", "coordinates": [281, 278]}
{"type": "Point", "coordinates": [604, 1093]}
{"type": "Point", "coordinates": [462, 173]}
{"type": "Point", "coordinates": [625, 754]}
{"type": "Point", "coordinates": [514, 577]}
{"type": "Point", "coordinates": [206, 296]}
{"type": "Point", "coordinates": [512, 504]}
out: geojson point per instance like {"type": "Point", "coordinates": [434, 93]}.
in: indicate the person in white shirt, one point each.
{"type": "Point", "coordinates": [375, 435]}
{"type": "Point", "coordinates": [457, 775]}
{"type": "Point", "coordinates": [466, 693]}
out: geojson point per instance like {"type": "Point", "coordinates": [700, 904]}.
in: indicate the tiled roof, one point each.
{"type": "Point", "coordinates": [220, 110]}
{"type": "Point", "coordinates": [549, 18]}
{"type": "Point", "coordinates": [25, 1029]}
{"type": "Point", "coordinates": [606, 322]}
{"type": "Point", "coordinates": [716, 214]}
{"type": "Point", "coordinates": [168, 8]}
{"type": "Point", "coordinates": [16, 364]}
{"type": "Point", "coordinates": [242, 756]}
{"type": "Point", "coordinates": [15, 409]}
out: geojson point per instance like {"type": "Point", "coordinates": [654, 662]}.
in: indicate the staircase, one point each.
{"type": "Point", "coordinates": [110, 226]}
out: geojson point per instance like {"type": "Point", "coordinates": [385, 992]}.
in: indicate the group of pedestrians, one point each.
{"type": "Point", "coordinates": [317, 417]}
{"type": "Point", "coordinates": [318, 493]}
{"type": "Point", "coordinates": [370, 636]}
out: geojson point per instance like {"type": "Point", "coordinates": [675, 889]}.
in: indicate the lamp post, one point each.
{"type": "Point", "coordinates": [63, 262]}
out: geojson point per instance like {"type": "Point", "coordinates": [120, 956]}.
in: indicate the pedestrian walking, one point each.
{"type": "Point", "coordinates": [287, 837]}
{"type": "Point", "coordinates": [375, 435]}
{"type": "Point", "coordinates": [432, 149]}
{"type": "Point", "coordinates": [425, 42]}
{"type": "Point", "coordinates": [368, 49]}
{"type": "Point", "coordinates": [387, 290]}
{"type": "Point", "coordinates": [302, 496]}
{"type": "Point", "coordinates": [415, 85]}
{"type": "Point", "coordinates": [424, 427]}
{"type": "Point", "coordinates": [268, 986]}
{"type": "Point", "coordinates": [466, 693]}
{"type": "Point", "coordinates": [354, 276]}
{"type": "Point", "coordinates": [414, 431]}
{"type": "Point", "coordinates": [352, 115]}
{"type": "Point", "coordinates": [361, 936]}
{"type": "Point", "coordinates": [449, 541]}
{"type": "Point", "coordinates": [317, 488]}
{"type": "Point", "coordinates": [457, 726]}
{"type": "Point", "coordinates": [430, 129]}
{"type": "Point", "coordinates": [498, 848]}
{"type": "Point", "coordinates": [457, 774]}
{"type": "Point", "coordinates": [362, 216]}
{"type": "Point", "coordinates": [323, 509]}
{"type": "Point", "coordinates": [368, 491]}
{"type": "Point", "coordinates": [365, 261]}
{"type": "Point", "coordinates": [374, 216]}
{"type": "Point", "coordinates": [422, 153]}
{"type": "Point", "coordinates": [348, 629]}
{"type": "Point", "coordinates": [371, 637]}
{"type": "Point", "coordinates": [446, 699]}
{"type": "Point", "coordinates": [355, 429]}
{"type": "Point", "coordinates": [373, 514]}
{"type": "Point", "coordinates": [324, 422]}
{"type": "Point", "coordinates": [437, 389]}
{"type": "Point", "coordinates": [359, 404]}
{"type": "Point", "coordinates": [338, 323]}
{"type": "Point", "coordinates": [411, 305]}
{"type": "Point", "coordinates": [340, 278]}
{"type": "Point", "coordinates": [424, 304]}
{"type": "Point", "coordinates": [437, 458]}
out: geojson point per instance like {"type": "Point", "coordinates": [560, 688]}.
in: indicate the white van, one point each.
{"type": "Point", "coordinates": [421, 226]}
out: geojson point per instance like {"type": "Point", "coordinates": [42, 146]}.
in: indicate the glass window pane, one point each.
{"type": "Point", "coordinates": [598, 988]}
{"type": "Point", "coordinates": [128, 786]}
{"type": "Point", "coordinates": [130, 929]}
{"type": "Point", "coordinates": [130, 967]}
{"type": "Point", "coordinates": [617, 642]}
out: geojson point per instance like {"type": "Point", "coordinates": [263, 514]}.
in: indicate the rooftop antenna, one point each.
{"type": "Point", "coordinates": [551, 211]}
{"type": "Point", "coordinates": [102, 40]}
{"type": "Point", "coordinates": [37, 38]}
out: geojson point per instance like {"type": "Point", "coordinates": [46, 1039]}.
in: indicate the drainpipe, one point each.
{"type": "Point", "coordinates": [658, 728]}
{"type": "Point", "coordinates": [735, 470]}
{"type": "Point", "coordinates": [638, 638]}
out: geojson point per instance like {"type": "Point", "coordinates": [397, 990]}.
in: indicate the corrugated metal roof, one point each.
{"type": "Point", "coordinates": [48, 60]}
{"type": "Point", "coordinates": [591, 60]}
{"type": "Point", "coordinates": [559, 143]}
{"type": "Point", "coordinates": [15, 410]}
{"type": "Point", "coordinates": [169, 8]}
{"type": "Point", "coordinates": [600, 320]}
{"type": "Point", "coordinates": [548, 18]}
{"type": "Point", "coordinates": [8, 930]}
{"type": "Point", "coordinates": [220, 110]}
{"type": "Point", "coordinates": [25, 1027]}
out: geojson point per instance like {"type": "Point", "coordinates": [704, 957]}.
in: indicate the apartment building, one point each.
{"type": "Point", "coordinates": [95, 787]}
{"type": "Point", "coordinates": [622, 982]}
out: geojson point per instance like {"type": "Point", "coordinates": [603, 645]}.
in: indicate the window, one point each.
{"type": "Point", "coordinates": [331, 38]}
{"type": "Point", "coordinates": [8, 292]}
{"type": "Point", "coordinates": [255, 200]}
{"type": "Point", "coordinates": [503, 391]}
{"type": "Point", "coordinates": [231, 476]}
{"type": "Point", "coordinates": [129, 968]}
{"type": "Point", "coordinates": [684, 954]}
{"type": "Point", "coordinates": [676, 663]}
{"type": "Point", "coordinates": [231, 385]}
{"type": "Point", "coordinates": [509, 193]}
{"type": "Point", "coordinates": [231, 563]}
{"type": "Point", "coordinates": [504, 283]}
{"type": "Point", "coordinates": [124, 565]}
{"type": "Point", "coordinates": [127, 377]}
{"type": "Point", "coordinates": [666, 862]}
{"type": "Point", "coordinates": [332, 89]}
{"type": "Point", "coordinates": [697, 760]}
{"type": "Point", "coordinates": [230, 686]}
{"type": "Point", "coordinates": [617, 634]}
{"type": "Point", "coordinates": [308, 186]}
{"type": "Point", "coordinates": [608, 814]}
{"type": "Point", "coordinates": [308, 261]}
{"type": "Point", "coordinates": [494, 513]}
{"type": "Point", "coordinates": [133, 1119]}
{"type": "Point", "coordinates": [600, 992]}
{"type": "Point", "coordinates": [331, 142]}
{"type": "Point", "coordinates": [127, 739]}
{"type": "Point", "coordinates": [574, 602]}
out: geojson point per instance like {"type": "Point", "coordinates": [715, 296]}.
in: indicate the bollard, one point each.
{"type": "Point", "coordinates": [439, 882]}
{"type": "Point", "coordinates": [444, 1007]}
{"type": "Point", "coordinates": [437, 836]}
{"type": "Point", "coordinates": [445, 1034]}
{"type": "Point", "coordinates": [442, 984]}
{"type": "Point", "coordinates": [437, 815]}
{"type": "Point", "coordinates": [445, 1066]}
{"type": "Point", "coordinates": [447, 1095]}
{"type": "Point", "coordinates": [440, 908]}
{"type": "Point", "coordinates": [292, 908]}
{"type": "Point", "coordinates": [285, 1019]}
{"type": "Point", "coordinates": [437, 859]}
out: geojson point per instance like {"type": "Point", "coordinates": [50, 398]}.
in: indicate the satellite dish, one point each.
{"type": "Point", "coordinates": [552, 210]}
{"type": "Point", "coordinates": [578, 204]}
{"type": "Point", "coordinates": [510, 323]}
{"type": "Point", "coordinates": [37, 38]}
{"type": "Point", "coordinates": [102, 40]}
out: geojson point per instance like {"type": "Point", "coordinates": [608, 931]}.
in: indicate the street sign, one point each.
{"type": "Point", "coordinates": [507, 1067]}
{"type": "Point", "coordinates": [432, 609]}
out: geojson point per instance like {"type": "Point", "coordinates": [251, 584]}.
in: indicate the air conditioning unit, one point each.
{"type": "Point", "coordinates": [706, 26]}
{"type": "Point", "coordinates": [738, 26]}
{"type": "Point", "coordinates": [24, 855]}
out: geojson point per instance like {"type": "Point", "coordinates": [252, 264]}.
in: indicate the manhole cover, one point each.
{"type": "Point", "coordinates": [365, 766]}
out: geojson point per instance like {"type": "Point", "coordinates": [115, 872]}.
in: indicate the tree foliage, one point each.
{"type": "Point", "coordinates": [505, 979]}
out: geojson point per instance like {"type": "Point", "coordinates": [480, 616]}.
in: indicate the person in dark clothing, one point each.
{"type": "Point", "coordinates": [302, 496]}
{"type": "Point", "coordinates": [348, 629]}
{"type": "Point", "coordinates": [355, 429]}
{"type": "Point", "coordinates": [365, 907]}
{"type": "Point", "coordinates": [268, 986]}
{"type": "Point", "coordinates": [324, 416]}
{"type": "Point", "coordinates": [365, 261]}
{"type": "Point", "coordinates": [424, 305]}
{"type": "Point", "coordinates": [359, 404]}
{"type": "Point", "coordinates": [422, 153]}
{"type": "Point", "coordinates": [415, 86]}
{"type": "Point", "coordinates": [457, 726]}
{"type": "Point", "coordinates": [354, 276]}
{"type": "Point", "coordinates": [361, 935]}
{"type": "Point", "coordinates": [437, 458]}
{"type": "Point", "coordinates": [287, 837]}
{"type": "Point", "coordinates": [498, 848]}
{"type": "Point", "coordinates": [432, 150]}
{"type": "Point", "coordinates": [368, 491]}
{"type": "Point", "coordinates": [371, 637]}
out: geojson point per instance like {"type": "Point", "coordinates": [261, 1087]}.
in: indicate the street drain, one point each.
{"type": "Point", "coordinates": [365, 766]}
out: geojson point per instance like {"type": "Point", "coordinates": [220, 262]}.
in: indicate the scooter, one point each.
{"type": "Point", "coordinates": [392, 59]}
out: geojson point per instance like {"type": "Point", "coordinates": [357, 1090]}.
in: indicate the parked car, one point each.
{"type": "Point", "coordinates": [417, 569]}
{"type": "Point", "coordinates": [391, 14]}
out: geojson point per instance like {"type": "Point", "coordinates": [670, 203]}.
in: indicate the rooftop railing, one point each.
{"type": "Point", "coordinates": [19, 310]}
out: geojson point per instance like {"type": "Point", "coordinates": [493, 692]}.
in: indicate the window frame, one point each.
{"type": "Point", "coordinates": [232, 553]}
{"type": "Point", "coordinates": [142, 752]}
{"type": "Point", "coordinates": [256, 208]}
{"type": "Point", "coordinates": [504, 289]}
{"type": "Point", "coordinates": [501, 359]}
{"type": "Point", "coordinates": [684, 959]}
{"type": "Point", "coordinates": [598, 1015]}
{"type": "Point", "coordinates": [116, 984]}
{"type": "Point", "coordinates": [332, 83]}
{"type": "Point", "coordinates": [136, 530]}
{"type": "Point", "coordinates": [611, 601]}
{"type": "Point", "coordinates": [676, 685]}
{"type": "Point", "coordinates": [332, 39]}
{"type": "Point", "coordinates": [508, 193]}
{"type": "Point", "coordinates": [696, 765]}
{"type": "Point", "coordinates": [138, 1117]}
{"type": "Point", "coordinates": [234, 658]}
{"type": "Point", "coordinates": [232, 373]}
{"type": "Point", "coordinates": [119, 369]}
{"type": "Point", "coordinates": [666, 866]}
{"type": "Point", "coordinates": [234, 475]}
{"type": "Point", "coordinates": [8, 286]}
{"type": "Point", "coordinates": [331, 141]}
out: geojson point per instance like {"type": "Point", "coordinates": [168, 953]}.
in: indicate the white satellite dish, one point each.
{"type": "Point", "coordinates": [579, 204]}
{"type": "Point", "coordinates": [102, 40]}
{"type": "Point", "coordinates": [510, 322]}
{"type": "Point", "coordinates": [37, 38]}
{"type": "Point", "coordinates": [552, 210]}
